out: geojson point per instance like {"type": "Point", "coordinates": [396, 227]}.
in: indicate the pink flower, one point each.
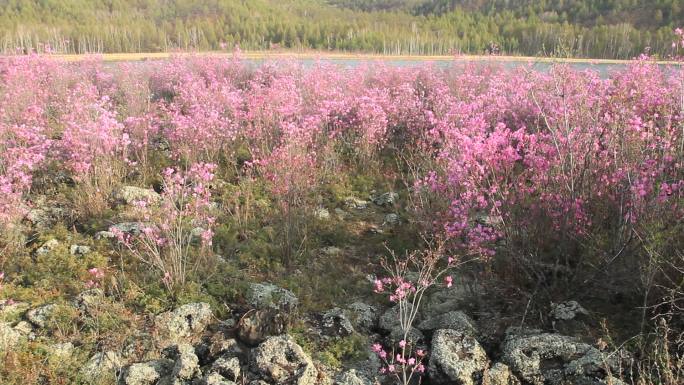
{"type": "Point", "coordinates": [376, 348]}
{"type": "Point", "coordinates": [402, 344]}
{"type": "Point", "coordinates": [448, 280]}
{"type": "Point", "coordinates": [391, 368]}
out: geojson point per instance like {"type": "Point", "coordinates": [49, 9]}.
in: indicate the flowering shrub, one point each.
{"type": "Point", "coordinates": [180, 223]}
{"type": "Point", "coordinates": [408, 280]}
{"type": "Point", "coordinates": [541, 163]}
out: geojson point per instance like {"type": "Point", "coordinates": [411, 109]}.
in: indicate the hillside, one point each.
{"type": "Point", "coordinates": [615, 29]}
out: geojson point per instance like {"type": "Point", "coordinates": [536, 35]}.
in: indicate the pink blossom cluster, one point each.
{"type": "Point", "coordinates": [400, 365]}
{"type": "Point", "coordinates": [561, 153]}
{"type": "Point", "coordinates": [96, 275]}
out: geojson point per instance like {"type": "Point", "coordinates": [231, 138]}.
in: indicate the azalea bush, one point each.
{"type": "Point", "coordinates": [175, 232]}
{"type": "Point", "coordinates": [523, 167]}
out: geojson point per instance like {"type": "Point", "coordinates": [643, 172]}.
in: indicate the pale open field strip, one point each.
{"type": "Point", "coordinates": [341, 56]}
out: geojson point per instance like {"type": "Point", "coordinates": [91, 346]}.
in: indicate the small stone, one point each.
{"type": "Point", "coordinates": [47, 247]}
{"type": "Point", "coordinates": [79, 250]}
{"type": "Point", "coordinates": [386, 199]}
{"type": "Point", "coordinates": [336, 323]}
{"type": "Point", "coordinates": [24, 328]}
{"type": "Point", "coordinates": [322, 214]}
{"type": "Point", "coordinates": [132, 194]}
{"type": "Point", "coordinates": [61, 350]}
{"type": "Point", "coordinates": [355, 203]}
{"type": "Point", "coordinates": [41, 315]}
{"type": "Point", "coordinates": [567, 310]}
{"type": "Point", "coordinates": [89, 299]}
{"type": "Point", "coordinates": [391, 219]}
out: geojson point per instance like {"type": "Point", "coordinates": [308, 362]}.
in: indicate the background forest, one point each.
{"type": "Point", "coordinates": [615, 29]}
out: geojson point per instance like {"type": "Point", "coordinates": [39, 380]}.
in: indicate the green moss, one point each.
{"type": "Point", "coordinates": [353, 348]}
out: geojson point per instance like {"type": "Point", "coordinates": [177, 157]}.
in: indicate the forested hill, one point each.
{"type": "Point", "coordinates": [583, 28]}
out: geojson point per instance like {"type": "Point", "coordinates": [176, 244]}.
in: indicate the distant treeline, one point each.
{"type": "Point", "coordinates": [617, 29]}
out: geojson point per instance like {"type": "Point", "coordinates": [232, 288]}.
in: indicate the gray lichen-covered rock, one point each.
{"type": "Point", "coordinates": [216, 379]}
{"type": "Point", "coordinates": [228, 367]}
{"type": "Point", "coordinates": [221, 345]}
{"type": "Point", "coordinates": [355, 203]}
{"type": "Point", "coordinates": [549, 358]}
{"type": "Point", "coordinates": [79, 250]}
{"type": "Point", "coordinates": [147, 373]}
{"type": "Point", "coordinates": [390, 319]}
{"type": "Point", "coordinates": [352, 377]}
{"type": "Point", "coordinates": [101, 366]}
{"type": "Point", "coordinates": [386, 199]}
{"type": "Point", "coordinates": [47, 247]}
{"type": "Point", "coordinates": [336, 323]}
{"type": "Point", "coordinates": [266, 295]}
{"type": "Point", "coordinates": [10, 309]}
{"type": "Point", "coordinates": [41, 315]}
{"type": "Point", "coordinates": [185, 322]}
{"type": "Point", "coordinates": [8, 336]}
{"type": "Point", "coordinates": [61, 350]}
{"type": "Point", "coordinates": [567, 310]}
{"type": "Point", "coordinates": [88, 300]}
{"type": "Point", "coordinates": [363, 316]}
{"type": "Point", "coordinates": [186, 366]}
{"type": "Point", "coordinates": [500, 374]}
{"type": "Point", "coordinates": [454, 320]}
{"type": "Point", "coordinates": [132, 228]}
{"type": "Point", "coordinates": [131, 194]}
{"type": "Point", "coordinates": [391, 219]}
{"type": "Point", "coordinates": [456, 358]}
{"type": "Point", "coordinates": [257, 325]}
{"type": "Point", "coordinates": [281, 361]}
{"type": "Point", "coordinates": [441, 301]}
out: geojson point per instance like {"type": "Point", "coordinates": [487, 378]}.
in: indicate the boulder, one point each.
{"type": "Point", "coordinates": [147, 373]}
{"type": "Point", "coordinates": [336, 323]}
{"type": "Point", "coordinates": [500, 374]}
{"type": "Point", "coordinates": [257, 325]}
{"type": "Point", "coordinates": [549, 358]}
{"type": "Point", "coordinates": [185, 322]}
{"type": "Point", "coordinates": [268, 296]}
{"type": "Point", "coordinates": [220, 345]}
{"type": "Point", "coordinates": [40, 316]}
{"type": "Point", "coordinates": [9, 337]}
{"type": "Point", "coordinates": [228, 367]}
{"type": "Point", "coordinates": [454, 320]}
{"type": "Point", "coordinates": [389, 322]}
{"type": "Point", "coordinates": [456, 359]}
{"type": "Point", "coordinates": [101, 366]}
{"type": "Point", "coordinates": [281, 361]}
{"type": "Point", "coordinates": [322, 214]}
{"type": "Point", "coordinates": [216, 379]}
{"type": "Point", "coordinates": [363, 316]}
{"type": "Point", "coordinates": [352, 377]}
{"type": "Point", "coordinates": [132, 194]}
{"type": "Point", "coordinates": [186, 366]}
